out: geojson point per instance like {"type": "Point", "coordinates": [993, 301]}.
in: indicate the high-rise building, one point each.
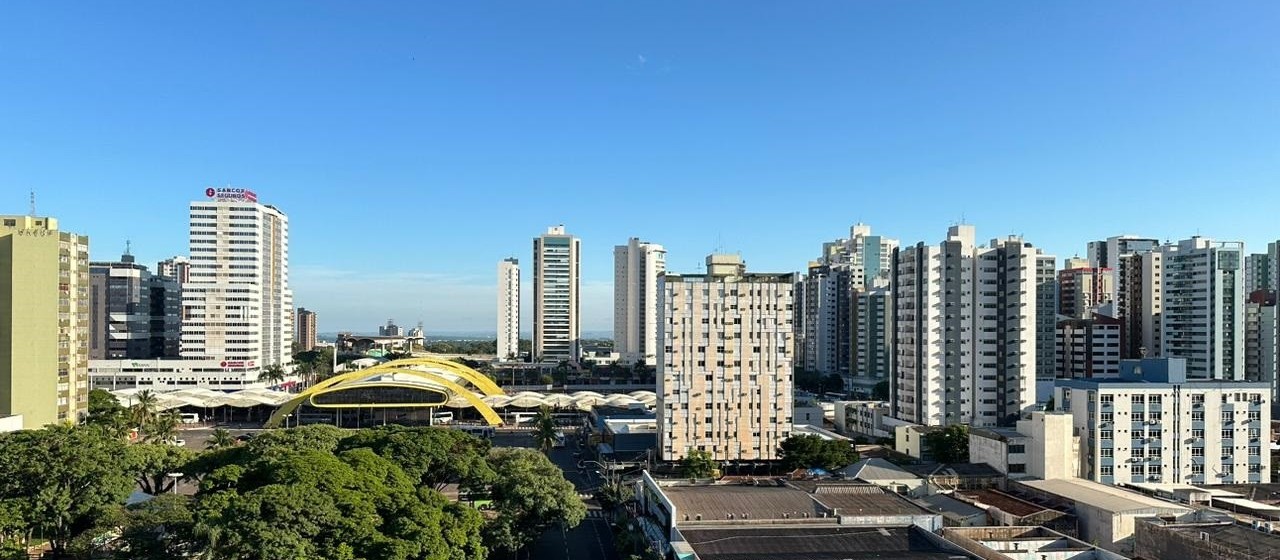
{"type": "Point", "coordinates": [1259, 273]}
{"type": "Point", "coordinates": [1202, 315]}
{"type": "Point", "coordinates": [873, 333]}
{"type": "Point", "coordinates": [1260, 359]}
{"type": "Point", "coordinates": [176, 268]}
{"type": "Point", "coordinates": [391, 329]}
{"type": "Point", "coordinates": [827, 329]}
{"type": "Point", "coordinates": [1153, 424]}
{"type": "Point", "coordinates": [306, 334]}
{"type": "Point", "coordinates": [725, 365]}
{"type": "Point", "coordinates": [237, 304]}
{"type": "Point", "coordinates": [970, 330]}
{"type": "Point", "coordinates": [557, 321]}
{"type": "Point", "coordinates": [1105, 253]}
{"type": "Point", "coordinates": [1139, 303]}
{"type": "Point", "coordinates": [44, 321]}
{"type": "Point", "coordinates": [1082, 288]}
{"type": "Point", "coordinates": [1089, 348]}
{"type": "Point", "coordinates": [636, 269]}
{"type": "Point", "coordinates": [508, 308]}
{"type": "Point", "coordinates": [133, 313]}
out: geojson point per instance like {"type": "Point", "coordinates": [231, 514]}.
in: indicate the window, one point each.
{"type": "Point", "coordinates": [1255, 432]}
{"type": "Point", "coordinates": [1107, 399]}
{"type": "Point", "coordinates": [1197, 452]}
{"type": "Point", "coordinates": [1197, 469]}
{"type": "Point", "coordinates": [1255, 450]}
{"type": "Point", "coordinates": [1104, 434]}
{"type": "Point", "coordinates": [1136, 400]}
{"type": "Point", "coordinates": [1154, 400]}
{"type": "Point", "coordinates": [1197, 416]}
{"type": "Point", "coordinates": [1139, 452]}
{"type": "Point", "coordinates": [1197, 399]}
{"type": "Point", "coordinates": [1155, 470]}
{"type": "Point", "coordinates": [1105, 417]}
{"type": "Point", "coordinates": [1106, 470]}
{"type": "Point", "coordinates": [1254, 469]}
{"type": "Point", "coordinates": [1228, 417]}
{"type": "Point", "coordinates": [1139, 470]}
{"type": "Point", "coordinates": [1139, 417]}
{"type": "Point", "coordinates": [1254, 416]}
{"type": "Point", "coordinates": [1197, 433]}
{"type": "Point", "coordinates": [1154, 452]}
{"type": "Point", "coordinates": [1108, 452]}
{"type": "Point", "coordinates": [1017, 448]}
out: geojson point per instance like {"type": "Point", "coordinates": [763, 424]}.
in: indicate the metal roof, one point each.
{"type": "Point", "coordinates": [1101, 496]}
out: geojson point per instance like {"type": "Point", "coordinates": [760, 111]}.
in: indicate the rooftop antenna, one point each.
{"type": "Point", "coordinates": [33, 203]}
{"type": "Point", "coordinates": [128, 247]}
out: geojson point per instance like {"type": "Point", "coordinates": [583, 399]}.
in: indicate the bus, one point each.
{"type": "Point", "coordinates": [442, 417]}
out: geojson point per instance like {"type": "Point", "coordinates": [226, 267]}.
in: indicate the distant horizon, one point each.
{"type": "Point", "coordinates": [466, 334]}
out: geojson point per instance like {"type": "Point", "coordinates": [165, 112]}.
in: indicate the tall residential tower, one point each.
{"type": "Point", "coordinates": [508, 309]}
{"type": "Point", "coordinates": [557, 326]}
{"type": "Point", "coordinates": [44, 321]}
{"type": "Point", "coordinates": [636, 269]}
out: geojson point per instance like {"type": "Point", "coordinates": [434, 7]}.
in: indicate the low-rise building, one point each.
{"type": "Point", "coordinates": [1041, 446]}
{"type": "Point", "coordinates": [872, 420]}
{"type": "Point", "coordinates": [1153, 424]}
{"type": "Point", "coordinates": [773, 519]}
{"type": "Point", "coordinates": [1224, 539]}
{"type": "Point", "coordinates": [886, 475]}
{"type": "Point", "coordinates": [170, 374]}
{"type": "Point", "coordinates": [1107, 515]}
{"type": "Point", "coordinates": [1024, 543]}
{"type": "Point", "coordinates": [1006, 510]}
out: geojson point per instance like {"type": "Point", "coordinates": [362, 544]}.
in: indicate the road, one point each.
{"type": "Point", "coordinates": [590, 540]}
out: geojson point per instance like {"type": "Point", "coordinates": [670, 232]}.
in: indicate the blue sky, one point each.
{"type": "Point", "coordinates": [415, 144]}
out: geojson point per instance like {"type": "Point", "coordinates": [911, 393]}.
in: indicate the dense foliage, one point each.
{"type": "Point", "coordinates": [810, 451]}
{"type": "Point", "coordinates": [315, 492]}
{"type": "Point", "coordinates": [698, 464]}
{"type": "Point", "coordinates": [950, 444]}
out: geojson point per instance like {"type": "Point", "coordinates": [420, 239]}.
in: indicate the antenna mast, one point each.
{"type": "Point", "coordinates": [33, 203]}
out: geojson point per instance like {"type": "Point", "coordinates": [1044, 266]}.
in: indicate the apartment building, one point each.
{"type": "Point", "coordinates": [725, 367]}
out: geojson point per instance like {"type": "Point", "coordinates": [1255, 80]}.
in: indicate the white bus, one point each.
{"type": "Point", "coordinates": [442, 418]}
{"type": "Point", "coordinates": [189, 418]}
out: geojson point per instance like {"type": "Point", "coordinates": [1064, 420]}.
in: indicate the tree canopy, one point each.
{"type": "Point", "coordinates": [531, 495]}
{"type": "Point", "coordinates": [950, 444]}
{"type": "Point", "coordinates": [697, 464]}
{"type": "Point", "coordinates": [810, 451]}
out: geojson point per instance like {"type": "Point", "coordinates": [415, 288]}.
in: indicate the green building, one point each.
{"type": "Point", "coordinates": [44, 321]}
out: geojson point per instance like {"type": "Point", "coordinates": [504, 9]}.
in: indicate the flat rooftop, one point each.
{"type": "Point", "coordinates": [1004, 502]}
{"type": "Point", "coordinates": [813, 543]}
{"type": "Point", "coordinates": [717, 502]}
{"type": "Point", "coordinates": [1232, 536]}
{"type": "Point", "coordinates": [1101, 496]}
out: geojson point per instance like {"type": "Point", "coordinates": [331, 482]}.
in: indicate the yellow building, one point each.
{"type": "Point", "coordinates": [44, 321]}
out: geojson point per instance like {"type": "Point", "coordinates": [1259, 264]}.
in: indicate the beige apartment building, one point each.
{"type": "Point", "coordinates": [725, 364]}
{"type": "Point", "coordinates": [44, 321]}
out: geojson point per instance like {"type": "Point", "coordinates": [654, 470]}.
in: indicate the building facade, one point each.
{"type": "Point", "coordinates": [508, 309]}
{"type": "Point", "coordinates": [1082, 289]}
{"type": "Point", "coordinates": [872, 333]}
{"type": "Point", "coordinates": [1202, 314]}
{"type": "Point", "coordinates": [306, 334]}
{"type": "Point", "coordinates": [237, 304]}
{"type": "Point", "coordinates": [557, 319]}
{"type": "Point", "coordinates": [971, 334]}
{"type": "Point", "coordinates": [44, 321]}
{"type": "Point", "coordinates": [1155, 424]}
{"type": "Point", "coordinates": [132, 313]}
{"type": "Point", "coordinates": [1260, 358]}
{"type": "Point", "coordinates": [175, 268]}
{"type": "Point", "coordinates": [725, 367]}
{"type": "Point", "coordinates": [1106, 253]}
{"type": "Point", "coordinates": [636, 269]}
{"type": "Point", "coordinates": [1089, 348]}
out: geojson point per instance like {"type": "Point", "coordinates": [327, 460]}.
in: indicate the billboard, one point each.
{"type": "Point", "coordinates": [231, 193]}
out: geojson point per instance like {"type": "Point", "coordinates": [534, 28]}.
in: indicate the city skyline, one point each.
{"type": "Point", "coordinates": [451, 128]}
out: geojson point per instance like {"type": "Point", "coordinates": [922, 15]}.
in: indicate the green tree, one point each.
{"type": "Point", "coordinates": [220, 437]}
{"type": "Point", "coordinates": [162, 428]}
{"type": "Point", "coordinates": [318, 437]}
{"type": "Point", "coordinates": [153, 463]}
{"type": "Point", "coordinates": [143, 409]}
{"type": "Point", "coordinates": [313, 504]}
{"type": "Point", "coordinates": [833, 383]}
{"type": "Point", "coordinates": [544, 429]}
{"type": "Point", "coordinates": [272, 375]}
{"type": "Point", "coordinates": [697, 464]}
{"type": "Point", "coordinates": [157, 529]}
{"type": "Point", "coordinates": [106, 411]}
{"type": "Point", "coordinates": [431, 457]}
{"type": "Point", "coordinates": [950, 444]}
{"type": "Point", "coordinates": [58, 480]}
{"type": "Point", "coordinates": [811, 451]}
{"type": "Point", "coordinates": [530, 495]}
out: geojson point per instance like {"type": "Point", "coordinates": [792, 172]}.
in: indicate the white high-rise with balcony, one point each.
{"type": "Point", "coordinates": [237, 308]}
{"type": "Point", "coordinates": [1202, 316]}
{"type": "Point", "coordinates": [636, 269]}
{"type": "Point", "coordinates": [556, 307]}
{"type": "Point", "coordinates": [508, 308]}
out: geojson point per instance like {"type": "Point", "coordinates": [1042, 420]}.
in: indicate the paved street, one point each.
{"type": "Point", "coordinates": [590, 540]}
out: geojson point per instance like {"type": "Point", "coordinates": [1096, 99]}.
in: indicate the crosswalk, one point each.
{"type": "Point", "coordinates": [596, 514]}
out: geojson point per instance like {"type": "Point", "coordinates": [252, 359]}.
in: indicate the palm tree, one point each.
{"type": "Point", "coordinates": [162, 429]}
{"type": "Point", "coordinates": [220, 438]}
{"type": "Point", "coordinates": [272, 375]}
{"type": "Point", "coordinates": [144, 409]}
{"type": "Point", "coordinates": [544, 429]}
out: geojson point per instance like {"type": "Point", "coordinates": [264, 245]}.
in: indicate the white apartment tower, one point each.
{"type": "Point", "coordinates": [1203, 310]}
{"type": "Point", "coordinates": [556, 306]}
{"type": "Point", "coordinates": [725, 366]}
{"type": "Point", "coordinates": [974, 329]}
{"type": "Point", "coordinates": [237, 308]}
{"type": "Point", "coordinates": [636, 269]}
{"type": "Point", "coordinates": [508, 309]}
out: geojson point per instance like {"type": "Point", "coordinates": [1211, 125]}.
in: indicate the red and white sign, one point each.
{"type": "Point", "coordinates": [236, 364]}
{"type": "Point", "coordinates": [231, 193]}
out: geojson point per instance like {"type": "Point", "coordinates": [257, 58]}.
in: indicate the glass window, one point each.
{"type": "Point", "coordinates": [1106, 470]}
